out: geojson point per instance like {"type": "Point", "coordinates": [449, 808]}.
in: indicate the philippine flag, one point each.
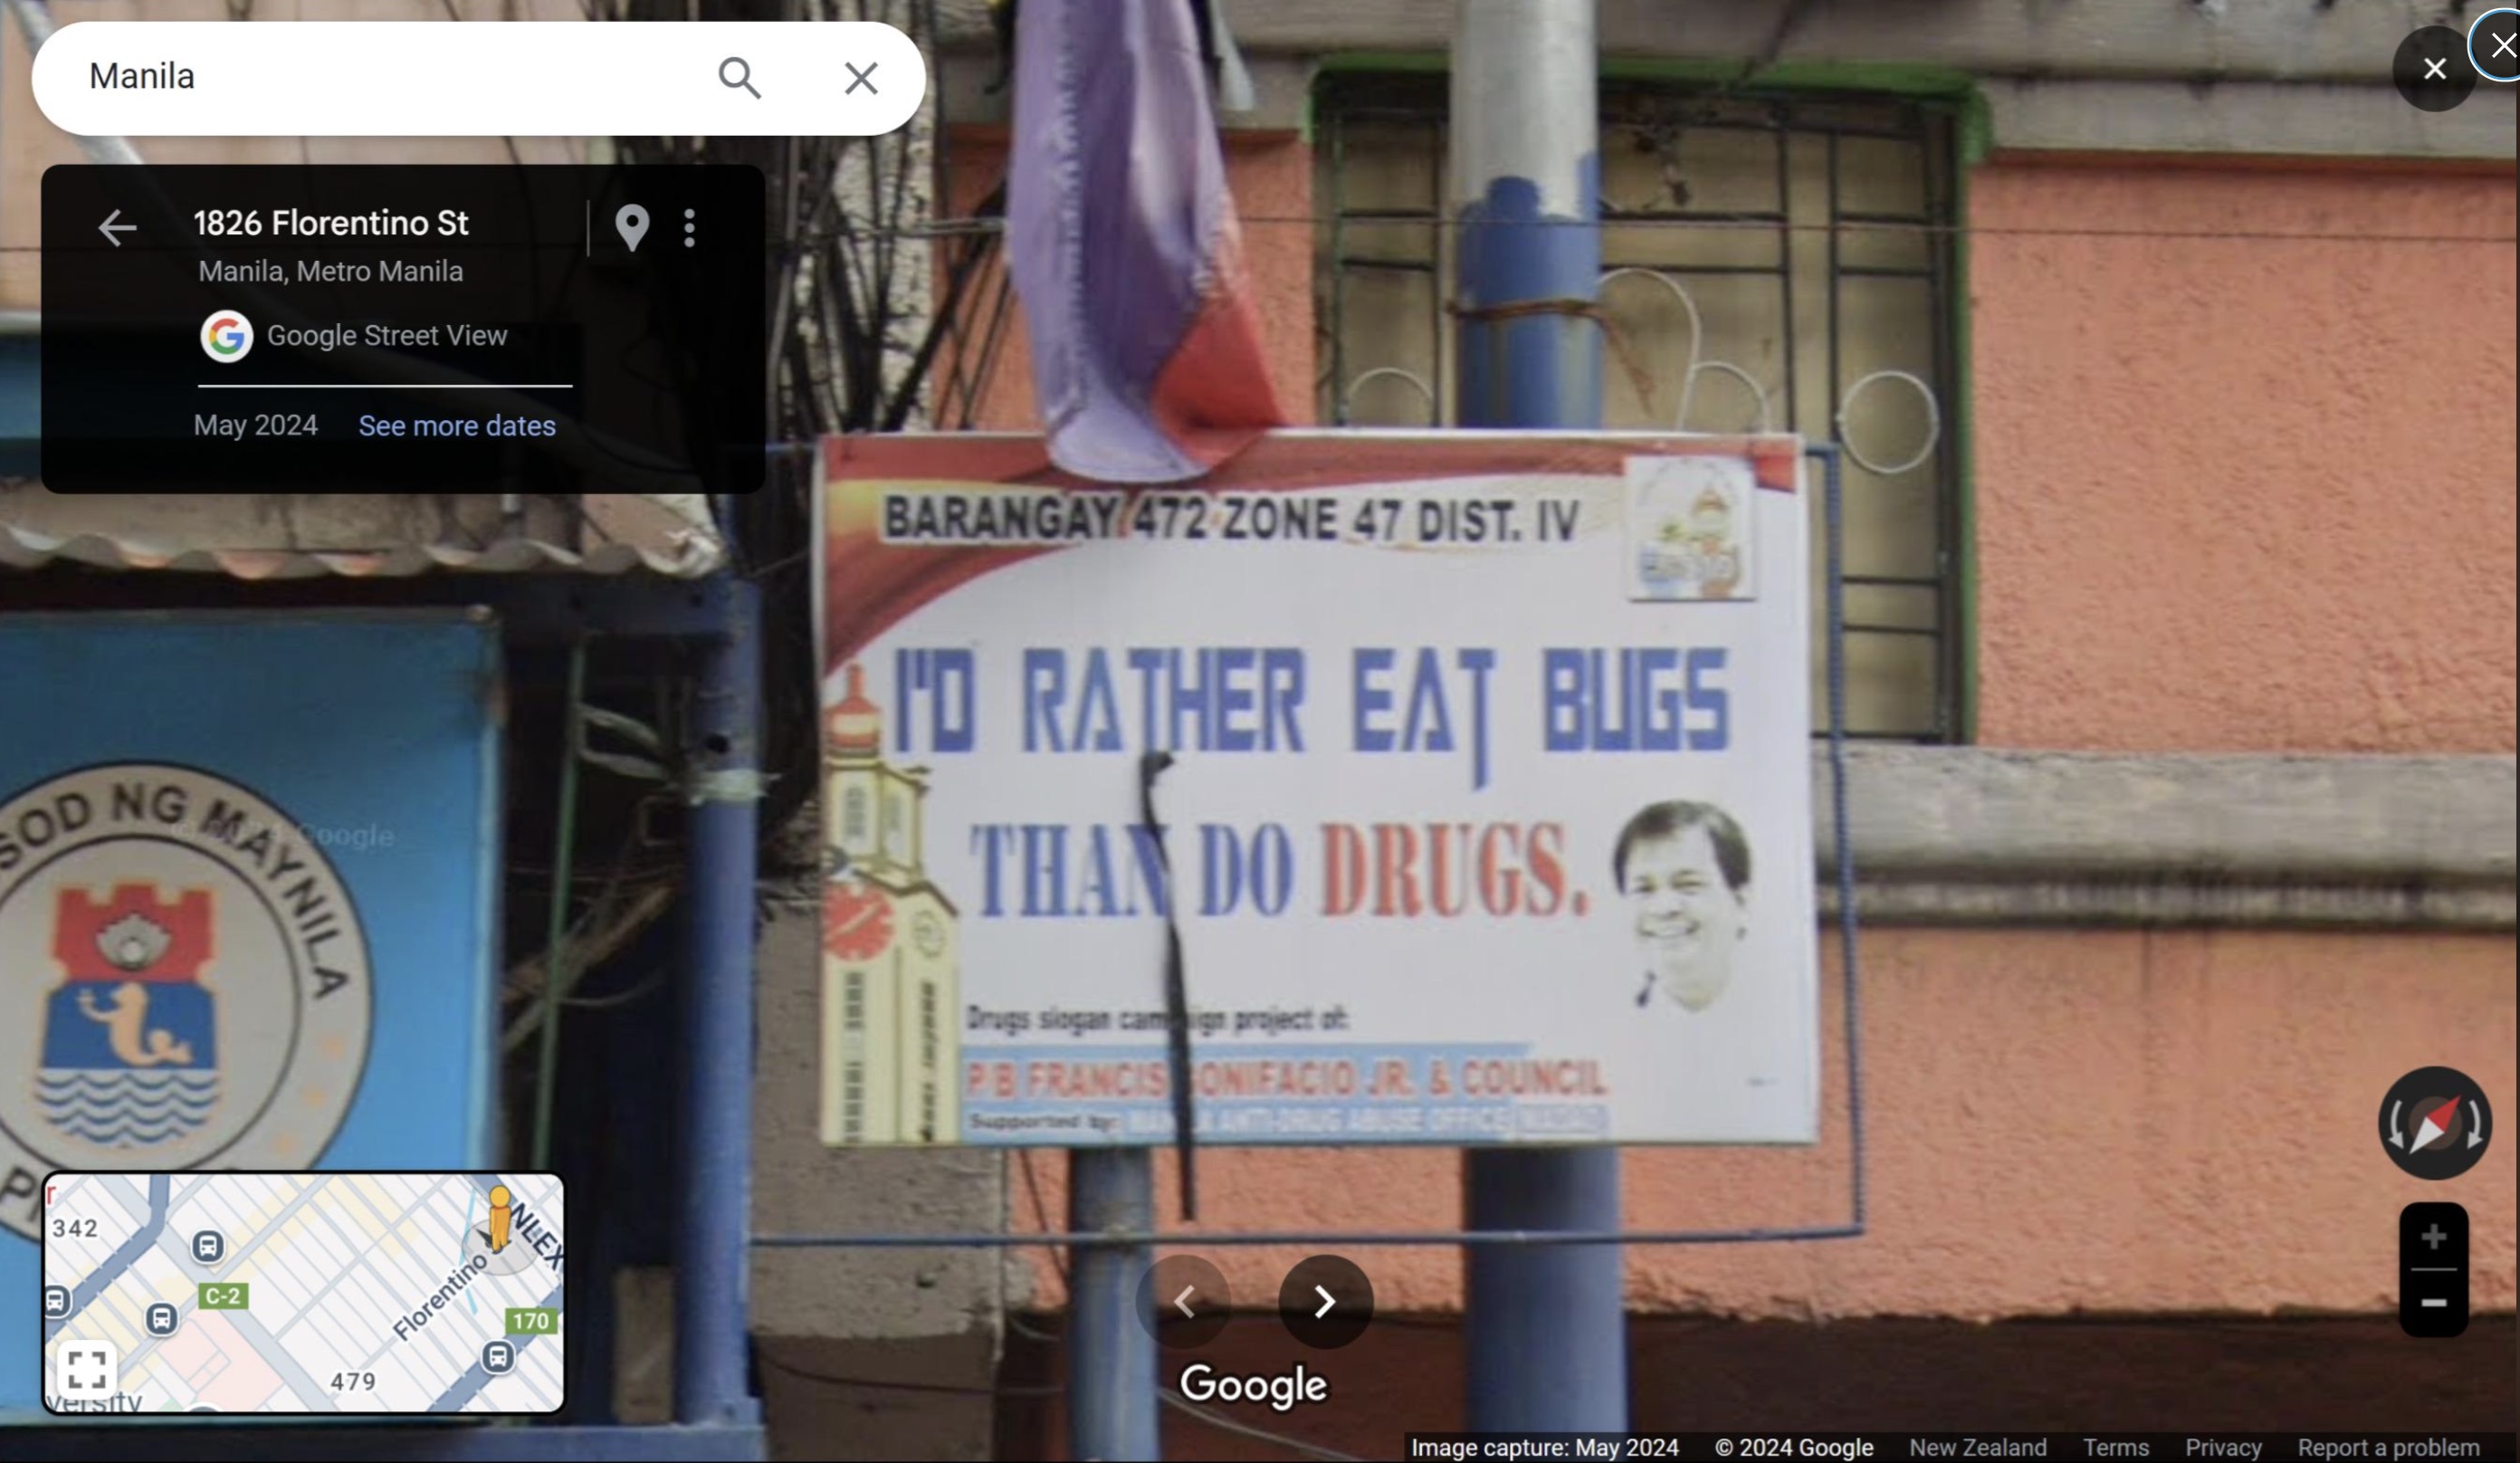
{"type": "Point", "coordinates": [1124, 247]}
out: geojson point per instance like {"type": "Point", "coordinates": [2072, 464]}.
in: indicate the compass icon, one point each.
{"type": "Point", "coordinates": [2435, 1123]}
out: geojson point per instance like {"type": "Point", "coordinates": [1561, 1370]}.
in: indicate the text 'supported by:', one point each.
{"type": "Point", "coordinates": [1731, 1447]}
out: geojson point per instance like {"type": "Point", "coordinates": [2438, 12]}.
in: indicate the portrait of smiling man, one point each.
{"type": "Point", "coordinates": [1685, 870]}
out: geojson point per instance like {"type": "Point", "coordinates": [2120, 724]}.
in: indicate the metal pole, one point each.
{"type": "Point", "coordinates": [1110, 1357]}
{"type": "Point", "coordinates": [711, 1256]}
{"type": "Point", "coordinates": [1546, 1325]}
{"type": "Point", "coordinates": [556, 968]}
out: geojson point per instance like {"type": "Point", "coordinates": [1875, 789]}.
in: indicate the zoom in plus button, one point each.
{"type": "Point", "coordinates": [1326, 1302]}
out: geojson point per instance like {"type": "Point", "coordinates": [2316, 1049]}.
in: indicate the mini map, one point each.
{"type": "Point", "coordinates": [302, 1292]}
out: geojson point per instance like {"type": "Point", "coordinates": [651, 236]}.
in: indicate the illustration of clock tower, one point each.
{"type": "Point", "coordinates": [891, 1035]}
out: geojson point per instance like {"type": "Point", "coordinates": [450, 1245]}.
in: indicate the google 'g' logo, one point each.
{"type": "Point", "coordinates": [226, 336]}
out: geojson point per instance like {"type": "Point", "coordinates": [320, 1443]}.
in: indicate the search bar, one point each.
{"type": "Point", "coordinates": [521, 78]}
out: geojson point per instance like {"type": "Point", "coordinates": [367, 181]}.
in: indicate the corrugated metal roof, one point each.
{"type": "Point", "coordinates": [309, 535]}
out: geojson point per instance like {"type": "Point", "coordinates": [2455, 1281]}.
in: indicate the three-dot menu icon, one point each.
{"type": "Point", "coordinates": [631, 222]}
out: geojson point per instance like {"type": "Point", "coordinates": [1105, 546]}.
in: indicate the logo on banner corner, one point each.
{"type": "Point", "coordinates": [1689, 528]}
{"type": "Point", "coordinates": [184, 982]}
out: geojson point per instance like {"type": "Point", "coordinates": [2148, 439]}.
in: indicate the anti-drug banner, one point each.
{"type": "Point", "coordinates": [1487, 816]}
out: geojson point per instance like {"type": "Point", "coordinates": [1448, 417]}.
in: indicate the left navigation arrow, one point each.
{"type": "Point", "coordinates": [1182, 1303]}
{"type": "Point", "coordinates": [109, 228]}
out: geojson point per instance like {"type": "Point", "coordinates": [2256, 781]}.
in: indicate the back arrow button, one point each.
{"type": "Point", "coordinates": [1183, 1301]}
{"type": "Point", "coordinates": [109, 228]}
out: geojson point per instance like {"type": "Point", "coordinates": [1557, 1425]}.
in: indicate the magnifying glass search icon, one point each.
{"type": "Point", "coordinates": [735, 71]}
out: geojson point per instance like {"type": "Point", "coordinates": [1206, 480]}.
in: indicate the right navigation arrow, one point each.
{"type": "Point", "coordinates": [1327, 1302]}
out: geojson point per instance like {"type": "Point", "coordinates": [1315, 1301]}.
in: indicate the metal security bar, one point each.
{"type": "Point", "coordinates": [1777, 260]}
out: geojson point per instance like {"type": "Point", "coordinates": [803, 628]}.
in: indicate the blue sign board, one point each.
{"type": "Point", "coordinates": [247, 868]}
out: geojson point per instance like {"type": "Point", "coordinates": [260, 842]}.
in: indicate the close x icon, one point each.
{"type": "Point", "coordinates": [2438, 67]}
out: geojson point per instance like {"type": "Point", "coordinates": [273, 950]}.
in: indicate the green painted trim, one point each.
{"type": "Point", "coordinates": [1880, 78]}
{"type": "Point", "coordinates": [1977, 129]}
{"type": "Point", "coordinates": [1964, 419]}
{"type": "Point", "coordinates": [1420, 63]}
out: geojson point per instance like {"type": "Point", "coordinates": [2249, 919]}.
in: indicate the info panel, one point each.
{"type": "Point", "coordinates": [366, 329]}
{"type": "Point", "coordinates": [318, 1293]}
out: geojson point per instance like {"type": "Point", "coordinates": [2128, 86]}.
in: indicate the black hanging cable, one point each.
{"type": "Point", "coordinates": [1176, 989]}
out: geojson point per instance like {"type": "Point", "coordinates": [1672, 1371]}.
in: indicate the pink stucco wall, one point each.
{"type": "Point", "coordinates": [2235, 491]}
{"type": "Point", "coordinates": [2245, 445]}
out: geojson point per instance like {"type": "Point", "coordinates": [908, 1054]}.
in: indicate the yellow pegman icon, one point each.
{"type": "Point", "coordinates": [502, 1214]}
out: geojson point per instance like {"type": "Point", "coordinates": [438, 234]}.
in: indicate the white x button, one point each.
{"type": "Point", "coordinates": [2433, 72]}
{"type": "Point", "coordinates": [2494, 39]}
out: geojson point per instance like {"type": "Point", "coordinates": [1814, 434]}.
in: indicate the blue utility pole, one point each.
{"type": "Point", "coordinates": [712, 1250]}
{"type": "Point", "coordinates": [1546, 1323]}
{"type": "Point", "coordinates": [1111, 1378]}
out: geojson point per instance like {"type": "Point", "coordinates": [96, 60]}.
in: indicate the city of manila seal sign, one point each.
{"type": "Point", "coordinates": [184, 982]}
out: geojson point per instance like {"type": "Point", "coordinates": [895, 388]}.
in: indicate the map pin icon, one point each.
{"type": "Point", "coordinates": [632, 222]}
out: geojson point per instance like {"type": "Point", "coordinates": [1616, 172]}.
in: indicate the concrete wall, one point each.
{"type": "Point", "coordinates": [834, 1326]}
